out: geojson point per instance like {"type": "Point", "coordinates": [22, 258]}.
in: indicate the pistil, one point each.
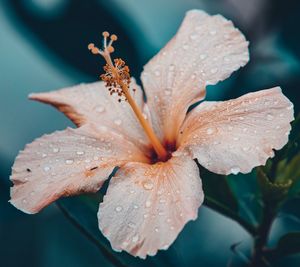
{"type": "Point", "coordinates": [117, 79]}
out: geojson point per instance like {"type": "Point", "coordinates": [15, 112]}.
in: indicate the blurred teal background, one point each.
{"type": "Point", "coordinates": [43, 46]}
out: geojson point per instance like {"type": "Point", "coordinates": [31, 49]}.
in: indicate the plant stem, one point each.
{"type": "Point", "coordinates": [260, 240]}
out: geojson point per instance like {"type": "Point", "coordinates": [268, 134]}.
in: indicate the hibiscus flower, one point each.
{"type": "Point", "coordinates": [157, 188]}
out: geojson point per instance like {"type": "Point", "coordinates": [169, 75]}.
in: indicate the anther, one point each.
{"type": "Point", "coordinates": [110, 49]}
{"type": "Point", "coordinates": [105, 34]}
{"type": "Point", "coordinates": [114, 37]}
{"type": "Point", "coordinates": [95, 50]}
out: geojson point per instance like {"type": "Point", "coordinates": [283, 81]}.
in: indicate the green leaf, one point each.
{"type": "Point", "coordinates": [280, 167]}
{"type": "Point", "coordinates": [293, 146]}
{"type": "Point", "coordinates": [288, 244]}
{"type": "Point", "coordinates": [219, 197]}
{"type": "Point", "coordinates": [273, 194]}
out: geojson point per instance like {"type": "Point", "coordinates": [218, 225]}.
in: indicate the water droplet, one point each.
{"type": "Point", "coordinates": [269, 117]}
{"type": "Point", "coordinates": [131, 225]}
{"type": "Point", "coordinates": [47, 168]}
{"type": "Point", "coordinates": [44, 155]}
{"type": "Point", "coordinates": [165, 246]}
{"type": "Point", "coordinates": [245, 130]}
{"type": "Point", "coordinates": [135, 206]}
{"type": "Point", "coordinates": [156, 229]}
{"type": "Point", "coordinates": [209, 131]}
{"type": "Point", "coordinates": [148, 184]}
{"type": "Point", "coordinates": [214, 70]}
{"type": "Point", "coordinates": [290, 107]}
{"type": "Point", "coordinates": [132, 191]}
{"type": "Point", "coordinates": [203, 56]}
{"type": "Point", "coordinates": [241, 118]}
{"type": "Point", "coordinates": [277, 127]}
{"type": "Point", "coordinates": [24, 201]}
{"type": "Point", "coordinates": [146, 215]}
{"type": "Point", "coordinates": [171, 67]}
{"type": "Point", "coordinates": [148, 204]}
{"type": "Point", "coordinates": [226, 59]}
{"type": "Point", "coordinates": [125, 244]}
{"type": "Point", "coordinates": [168, 91]}
{"type": "Point", "coordinates": [119, 208]}
{"type": "Point", "coordinates": [100, 109]}
{"type": "Point", "coordinates": [118, 122]}
{"type": "Point", "coordinates": [226, 36]}
{"type": "Point", "coordinates": [79, 152]}
{"type": "Point", "coordinates": [185, 46]}
{"type": "Point", "coordinates": [162, 200]}
{"type": "Point", "coordinates": [161, 213]}
{"type": "Point", "coordinates": [135, 238]}
{"type": "Point", "coordinates": [193, 36]}
{"type": "Point", "coordinates": [235, 170]}
{"type": "Point", "coordinates": [69, 161]}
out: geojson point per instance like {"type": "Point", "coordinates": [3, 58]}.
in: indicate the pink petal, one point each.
{"type": "Point", "coordinates": [146, 206]}
{"type": "Point", "coordinates": [66, 163]}
{"type": "Point", "coordinates": [92, 103]}
{"type": "Point", "coordinates": [236, 135]}
{"type": "Point", "coordinates": [206, 49]}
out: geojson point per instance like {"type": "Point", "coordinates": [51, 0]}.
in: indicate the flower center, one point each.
{"type": "Point", "coordinates": [117, 79]}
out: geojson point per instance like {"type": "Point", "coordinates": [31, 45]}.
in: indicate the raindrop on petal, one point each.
{"type": "Point", "coordinates": [148, 184]}
{"type": "Point", "coordinates": [118, 208]}
{"type": "Point", "coordinates": [47, 168]}
{"type": "Point", "coordinates": [235, 170]}
{"type": "Point", "coordinates": [100, 109]}
{"type": "Point", "coordinates": [118, 122]}
{"type": "Point", "coordinates": [193, 36]}
{"type": "Point", "coordinates": [69, 161]}
{"type": "Point", "coordinates": [209, 131]}
{"type": "Point", "coordinates": [269, 117]}
{"type": "Point", "coordinates": [135, 238]}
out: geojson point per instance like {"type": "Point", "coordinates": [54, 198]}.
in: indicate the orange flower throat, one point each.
{"type": "Point", "coordinates": [117, 79]}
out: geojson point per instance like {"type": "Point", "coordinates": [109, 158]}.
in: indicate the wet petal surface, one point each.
{"type": "Point", "coordinates": [205, 50]}
{"type": "Point", "coordinates": [66, 163]}
{"type": "Point", "coordinates": [146, 206]}
{"type": "Point", "coordinates": [237, 135]}
{"type": "Point", "coordinates": [92, 104]}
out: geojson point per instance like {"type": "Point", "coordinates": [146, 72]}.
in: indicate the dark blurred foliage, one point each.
{"type": "Point", "coordinates": [43, 46]}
